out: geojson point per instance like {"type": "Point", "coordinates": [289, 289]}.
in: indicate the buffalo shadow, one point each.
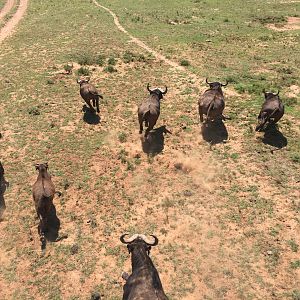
{"type": "Point", "coordinates": [3, 186]}
{"type": "Point", "coordinates": [273, 137]}
{"type": "Point", "coordinates": [53, 226]}
{"type": "Point", "coordinates": [2, 205]}
{"type": "Point", "coordinates": [89, 116]}
{"type": "Point", "coordinates": [154, 143]}
{"type": "Point", "coordinates": [214, 132]}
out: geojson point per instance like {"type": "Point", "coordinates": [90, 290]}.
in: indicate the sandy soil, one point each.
{"type": "Point", "coordinates": [293, 23]}
{"type": "Point", "coordinates": [6, 9]}
{"type": "Point", "coordinates": [12, 23]}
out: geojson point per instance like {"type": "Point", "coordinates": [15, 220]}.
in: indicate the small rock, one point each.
{"type": "Point", "coordinates": [74, 249]}
{"type": "Point", "coordinates": [95, 296]}
{"type": "Point", "coordinates": [187, 193]}
{"type": "Point", "coordinates": [269, 252]}
{"type": "Point", "coordinates": [178, 166]}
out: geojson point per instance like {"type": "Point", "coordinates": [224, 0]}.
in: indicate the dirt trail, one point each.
{"type": "Point", "coordinates": [6, 9]}
{"type": "Point", "coordinates": [140, 43]}
{"type": "Point", "coordinates": [10, 25]}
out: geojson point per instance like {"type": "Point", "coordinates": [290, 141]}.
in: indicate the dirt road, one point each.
{"type": "Point", "coordinates": [11, 24]}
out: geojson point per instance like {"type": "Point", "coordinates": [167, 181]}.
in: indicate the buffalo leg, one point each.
{"type": "Point", "coordinates": [200, 114]}
{"type": "Point", "coordinates": [90, 106]}
{"type": "Point", "coordinates": [150, 127]}
{"type": "Point", "coordinates": [141, 123]}
{"type": "Point", "coordinates": [97, 105]}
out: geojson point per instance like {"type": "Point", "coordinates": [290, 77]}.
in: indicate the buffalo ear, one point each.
{"type": "Point", "coordinates": [36, 166]}
{"type": "Point", "coordinates": [46, 165]}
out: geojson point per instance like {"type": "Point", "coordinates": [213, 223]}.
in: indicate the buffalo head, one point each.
{"type": "Point", "coordinates": [159, 92]}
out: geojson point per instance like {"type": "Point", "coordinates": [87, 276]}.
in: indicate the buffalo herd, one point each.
{"type": "Point", "coordinates": [144, 282]}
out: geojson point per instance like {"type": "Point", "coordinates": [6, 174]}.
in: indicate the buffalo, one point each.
{"type": "Point", "coordinates": [149, 110]}
{"type": "Point", "coordinates": [212, 103]}
{"type": "Point", "coordinates": [3, 186]}
{"type": "Point", "coordinates": [144, 282]}
{"type": "Point", "coordinates": [43, 192]}
{"type": "Point", "coordinates": [271, 112]}
{"type": "Point", "coordinates": [88, 92]}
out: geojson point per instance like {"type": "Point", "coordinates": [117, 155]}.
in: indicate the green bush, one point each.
{"type": "Point", "coordinates": [112, 61]}
{"type": "Point", "coordinates": [82, 71]}
{"type": "Point", "coordinates": [101, 60]}
{"type": "Point", "coordinates": [185, 63]}
{"type": "Point", "coordinates": [110, 69]}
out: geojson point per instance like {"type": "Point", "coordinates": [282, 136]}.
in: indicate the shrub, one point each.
{"type": "Point", "coordinates": [83, 71]}
{"type": "Point", "coordinates": [101, 60]}
{"type": "Point", "coordinates": [87, 59]}
{"type": "Point", "coordinates": [128, 57]}
{"type": "Point", "coordinates": [68, 68]}
{"type": "Point", "coordinates": [122, 137]}
{"type": "Point", "coordinates": [110, 69]}
{"type": "Point", "coordinates": [34, 111]}
{"type": "Point", "coordinates": [50, 81]}
{"type": "Point", "coordinates": [112, 61]}
{"type": "Point", "coordinates": [185, 63]}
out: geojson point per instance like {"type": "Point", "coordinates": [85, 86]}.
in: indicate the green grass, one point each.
{"type": "Point", "coordinates": [225, 220]}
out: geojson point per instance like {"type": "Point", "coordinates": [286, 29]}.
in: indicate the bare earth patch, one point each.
{"type": "Point", "coordinates": [6, 9]}
{"type": "Point", "coordinates": [293, 23]}
{"type": "Point", "coordinates": [11, 24]}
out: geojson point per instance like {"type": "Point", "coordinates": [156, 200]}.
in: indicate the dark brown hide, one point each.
{"type": "Point", "coordinates": [144, 282]}
{"type": "Point", "coordinates": [212, 103]}
{"type": "Point", "coordinates": [88, 92]}
{"type": "Point", "coordinates": [43, 192]}
{"type": "Point", "coordinates": [149, 110]}
{"type": "Point", "coordinates": [271, 112]}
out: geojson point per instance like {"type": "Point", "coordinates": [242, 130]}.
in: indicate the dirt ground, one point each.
{"type": "Point", "coordinates": [222, 199]}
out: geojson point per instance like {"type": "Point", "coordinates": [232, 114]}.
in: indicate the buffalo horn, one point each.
{"type": "Point", "coordinates": [207, 81]}
{"type": "Point", "coordinates": [225, 83]}
{"type": "Point", "coordinates": [129, 240]}
{"type": "Point", "coordinates": [165, 91]}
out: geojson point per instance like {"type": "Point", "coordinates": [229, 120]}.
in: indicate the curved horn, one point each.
{"type": "Point", "coordinates": [207, 81]}
{"type": "Point", "coordinates": [129, 240]}
{"type": "Point", "coordinates": [165, 91]}
{"type": "Point", "coordinates": [78, 80]}
{"type": "Point", "coordinates": [148, 88]}
{"type": "Point", "coordinates": [277, 93]}
{"type": "Point", "coordinates": [148, 241]}
{"type": "Point", "coordinates": [155, 240]}
{"type": "Point", "coordinates": [225, 83]}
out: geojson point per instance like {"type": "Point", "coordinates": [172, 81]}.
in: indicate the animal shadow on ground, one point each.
{"type": "Point", "coordinates": [273, 137]}
{"type": "Point", "coordinates": [89, 116]}
{"type": "Point", "coordinates": [154, 143]}
{"type": "Point", "coordinates": [53, 226]}
{"type": "Point", "coordinates": [2, 206]}
{"type": "Point", "coordinates": [3, 186]}
{"type": "Point", "coordinates": [214, 132]}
